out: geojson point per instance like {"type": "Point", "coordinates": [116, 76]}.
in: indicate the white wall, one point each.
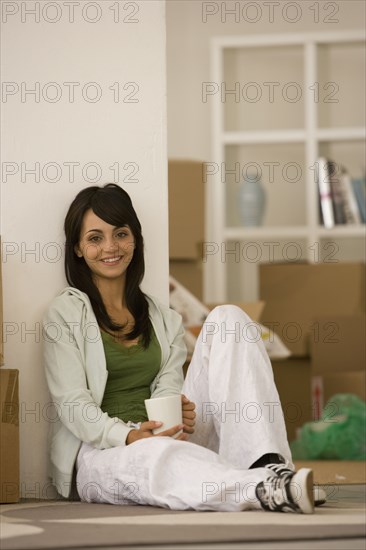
{"type": "Point", "coordinates": [190, 26]}
{"type": "Point", "coordinates": [188, 55]}
{"type": "Point", "coordinates": [103, 132]}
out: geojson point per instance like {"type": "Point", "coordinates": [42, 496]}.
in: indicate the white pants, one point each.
{"type": "Point", "coordinates": [239, 419]}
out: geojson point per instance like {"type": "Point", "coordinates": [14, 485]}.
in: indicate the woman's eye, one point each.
{"type": "Point", "coordinates": [122, 234]}
{"type": "Point", "coordinates": [94, 239]}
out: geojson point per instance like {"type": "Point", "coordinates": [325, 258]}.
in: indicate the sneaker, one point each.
{"type": "Point", "coordinates": [290, 492]}
{"type": "Point", "coordinates": [279, 469]}
{"type": "Point", "coordinates": [320, 496]}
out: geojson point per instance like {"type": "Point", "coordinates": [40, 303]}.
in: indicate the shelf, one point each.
{"type": "Point", "coordinates": [279, 76]}
{"type": "Point", "coordinates": [329, 65]}
{"type": "Point", "coordinates": [339, 134]}
{"type": "Point", "coordinates": [284, 39]}
{"type": "Point", "coordinates": [343, 231]}
{"type": "Point", "coordinates": [292, 136]}
{"type": "Point", "coordinates": [245, 233]}
{"type": "Point", "coordinates": [274, 136]}
{"type": "Point", "coordinates": [339, 90]}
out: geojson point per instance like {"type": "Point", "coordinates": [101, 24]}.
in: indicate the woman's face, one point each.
{"type": "Point", "coordinates": [106, 249]}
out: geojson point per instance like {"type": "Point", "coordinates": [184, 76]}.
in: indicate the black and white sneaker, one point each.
{"type": "Point", "coordinates": [279, 469]}
{"type": "Point", "coordinates": [289, 492]}
{"type": "Point", "coordinates": [320, 496]}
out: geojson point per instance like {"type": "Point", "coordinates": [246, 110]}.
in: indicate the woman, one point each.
{"type": "Point", "coordinates": [109, 346]}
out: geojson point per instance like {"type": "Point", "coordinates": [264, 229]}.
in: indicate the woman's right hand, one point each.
{"type": "Point", "coordinates": [146, 431]}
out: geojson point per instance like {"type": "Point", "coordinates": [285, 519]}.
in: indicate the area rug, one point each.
{"type": "Point", "coordinates": [340, 472]}
{"type": "Point", "coordinates": [60, 524]}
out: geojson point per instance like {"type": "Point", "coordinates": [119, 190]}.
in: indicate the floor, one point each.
{"type": "Point", "coordinates": [337, 525]}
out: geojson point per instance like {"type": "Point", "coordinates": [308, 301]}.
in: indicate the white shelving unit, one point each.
{"type": "Point", "coordinates": [309, 137]}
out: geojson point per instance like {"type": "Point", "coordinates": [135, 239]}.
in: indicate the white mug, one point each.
{"type": "Point", "coordinates": [167, 410]}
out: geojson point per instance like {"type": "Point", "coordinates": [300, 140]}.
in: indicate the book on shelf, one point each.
{"type": "Point", "coordinates": [342, 200]}
{"type": "Point", "coordinates": [323, 181]}
{"type": "Point", "coordinates": [359, 189]}
{"type": "Point", "coordinates": [351, 209]}
{"type": "Point", "coordinates": [336, 192]}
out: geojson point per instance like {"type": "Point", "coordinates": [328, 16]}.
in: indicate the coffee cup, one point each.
{"type": "Point", "coordinates": [167, 410]}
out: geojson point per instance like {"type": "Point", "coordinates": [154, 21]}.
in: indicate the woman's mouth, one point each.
{"type": "Point", "coordinates": [111, 261]}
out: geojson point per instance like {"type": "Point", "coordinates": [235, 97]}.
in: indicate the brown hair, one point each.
{"type": "Point", "coordinates": [113, 205]}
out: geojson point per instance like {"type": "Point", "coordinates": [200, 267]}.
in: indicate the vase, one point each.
{"type": "Point", "coordinates": [252, 202]}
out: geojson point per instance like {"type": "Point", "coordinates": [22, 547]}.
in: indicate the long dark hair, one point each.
{"type": "Point", "coordinates": [113, 205]}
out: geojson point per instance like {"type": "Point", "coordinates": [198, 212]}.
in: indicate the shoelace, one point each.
{"type": "Point", "coordinates": [280, 484]}
{"type": "Point", "coordinates": [280, 469]}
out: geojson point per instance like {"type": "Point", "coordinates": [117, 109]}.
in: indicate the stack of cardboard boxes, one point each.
{"type": "Point", "coordinates": [186, 223]}
{"type": "Point", "coordinates": [319, 312]}
{"type": "Point", "coordinates": [9, 425]}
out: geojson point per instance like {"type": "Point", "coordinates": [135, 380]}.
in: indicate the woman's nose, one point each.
{"type": "Point", "coordinates": [111, 244]}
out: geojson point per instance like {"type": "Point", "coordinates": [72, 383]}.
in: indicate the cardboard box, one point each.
{"type": "Point", "coordinates": [186, 208]}
{"type": "Point", "coordinates": [338, 344]}
{"type": "Point", "coordinates": [338, 358]}
{"type": "Point", "coordinates": [303, 395]}
{"type": "Point", "coordinates": [296, 293]}
{"type": "Point", "coordinates": [1, 314]}
{"type": "Point", "coordinates": [9, 435]}
{"type": "Point", "coordinates": [344, 382]}
{"type": "Point", "coordinates": [190, 274]}
{"type": "Point", "coordinates": [293, 381]}
{"type": "Point", "coordinates": [325, 386]}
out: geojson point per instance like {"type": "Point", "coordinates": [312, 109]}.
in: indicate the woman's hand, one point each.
{"type": "Point", "coordinates": [189, 415]}
{"type": "Point", "coordinates": [146, 431]}
{"type": "Point", "coordinates": [146, 428]}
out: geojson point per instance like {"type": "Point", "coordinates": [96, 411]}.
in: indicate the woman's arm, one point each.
{"type": "Point", "coordinates": [65, 352]}
{"type": "Point", "coordinates": [169, 380]}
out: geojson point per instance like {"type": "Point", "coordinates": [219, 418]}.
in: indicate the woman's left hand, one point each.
{"type": "Point", "coordinates": [189, 415]}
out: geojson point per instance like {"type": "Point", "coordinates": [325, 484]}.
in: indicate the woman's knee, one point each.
{"type": "Point", "coordinates": [228, 313]}
{"type": "Point", "coordinates": [228, 319]}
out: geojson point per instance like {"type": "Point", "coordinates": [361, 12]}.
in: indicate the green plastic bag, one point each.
{"type": "Point", "coordinates": [338, 435]}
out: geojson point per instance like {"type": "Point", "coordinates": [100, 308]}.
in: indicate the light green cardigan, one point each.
{"type": "Point", "coordinates": [76, 374]}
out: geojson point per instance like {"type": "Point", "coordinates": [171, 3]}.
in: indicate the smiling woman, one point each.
{"type": "Point", "coordinates": [104, 444]}
{"type": "Point", "coordinates": [104, 243]}
{"type": "Point", "coordinates": [108, 251]}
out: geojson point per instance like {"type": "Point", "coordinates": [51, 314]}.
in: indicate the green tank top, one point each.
{"type": "Point", "coordinates": [131, 371]}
